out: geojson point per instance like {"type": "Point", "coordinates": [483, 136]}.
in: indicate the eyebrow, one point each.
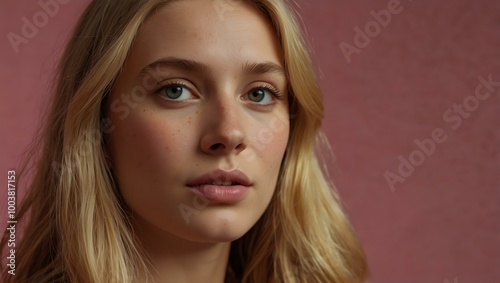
{"type": "Point", "coordinates": [198, 67]}
{"type": "Point", "coordinates": [176, 63]}
{"type": "Point", "coordinates": [263, 68]}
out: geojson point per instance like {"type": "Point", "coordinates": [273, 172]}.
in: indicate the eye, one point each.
{"type": "Point", "coordinates": [264, 95]}
{"type": "Point", "coordinates": [175, 92]}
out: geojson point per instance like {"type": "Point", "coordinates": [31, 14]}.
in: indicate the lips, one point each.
{"type": "Point", "coordinates": [223, 183]}
{"type": "Point", "coordinates": [222, 178]}
{"type": "Point", "coordinates": [222, 186]}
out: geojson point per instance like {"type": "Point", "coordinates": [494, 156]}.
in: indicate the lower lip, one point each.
{"type": "Point", "coordinates": [222, 194]}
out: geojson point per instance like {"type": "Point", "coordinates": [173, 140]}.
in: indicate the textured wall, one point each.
{"type": "Point", "coordinates": [441, 221]}
{"type": "Point", "coordinates": [416, 146]}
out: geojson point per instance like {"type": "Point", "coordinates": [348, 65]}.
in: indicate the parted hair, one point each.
{"type": "Point", "coordinates": [76, 223]}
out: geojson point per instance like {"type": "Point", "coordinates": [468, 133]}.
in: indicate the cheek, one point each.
{"type": "Point", "coordinates": [149, 152]}
{"type": "Point", "coordinates": [147, 146]}
{"type": "Point", "coordinates": [270, 140]}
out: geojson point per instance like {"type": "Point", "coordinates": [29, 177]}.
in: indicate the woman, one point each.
{"type": "Point", "coordinates": [180, 148]}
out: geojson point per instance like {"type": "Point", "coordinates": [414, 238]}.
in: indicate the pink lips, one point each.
{"type": "Point", "coordinates": [222, 186]}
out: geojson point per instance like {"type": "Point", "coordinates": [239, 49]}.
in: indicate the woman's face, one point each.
{"type": "Point", "coordinates": [200, 121]}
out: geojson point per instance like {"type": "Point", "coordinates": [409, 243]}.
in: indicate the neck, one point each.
{"type": "Point", "coordinates": [176, 260]}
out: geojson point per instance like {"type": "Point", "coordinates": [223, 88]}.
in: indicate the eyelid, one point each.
{"type": "Point", "coordinates": [175, 82]}
{"type": "Point", "coordinates": [171, 82]}
{"type": "Point", "coordinates": [274, 95]}
{"type": "Point", "coordinates": [272, 89]}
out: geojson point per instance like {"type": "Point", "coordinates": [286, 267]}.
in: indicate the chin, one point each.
{"type": "Point", "coordinates": [222, 227]}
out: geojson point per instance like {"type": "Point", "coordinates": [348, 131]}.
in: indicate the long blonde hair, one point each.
{"type": "Point", "coordinates": [78, 228]}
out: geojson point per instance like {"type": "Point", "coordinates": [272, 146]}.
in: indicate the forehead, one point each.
{"type": "Point", "coordinates": [204, 30]}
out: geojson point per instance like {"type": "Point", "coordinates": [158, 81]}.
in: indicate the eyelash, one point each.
{"type": "Point", "coordinates": [169, 84]}
{"type": "Point", "coordinates": [274, 91]}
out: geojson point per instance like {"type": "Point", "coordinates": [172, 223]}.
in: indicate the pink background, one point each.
{"type": "Point", "coordinates": [442, 224]}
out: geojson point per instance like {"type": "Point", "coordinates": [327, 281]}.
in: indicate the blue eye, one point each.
{"type": "Point", "coordinates": [175, 92]}
{"type": "Point", "coordinates": [262, 95]}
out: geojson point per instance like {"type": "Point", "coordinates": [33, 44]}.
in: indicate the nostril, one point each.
{"type": "Point", "coordinates": [216, 146]}
{"type": "Point", "coordinates": [241, 146]}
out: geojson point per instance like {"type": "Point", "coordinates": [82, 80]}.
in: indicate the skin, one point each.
{"type": "Point", "coordinates": [224, 119]}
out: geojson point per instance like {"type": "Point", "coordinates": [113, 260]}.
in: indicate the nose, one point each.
{"type": "Point", "coordinates": [224, 133]}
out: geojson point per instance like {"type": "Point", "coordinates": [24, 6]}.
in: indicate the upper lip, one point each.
{"type": "Point", "coordinates": [219, 175]}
